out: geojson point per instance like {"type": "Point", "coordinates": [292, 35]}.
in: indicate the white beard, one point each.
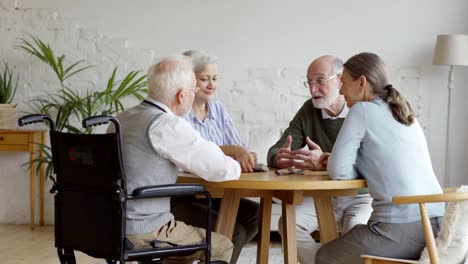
{"type": "Point", "coordinates": [326, 102]}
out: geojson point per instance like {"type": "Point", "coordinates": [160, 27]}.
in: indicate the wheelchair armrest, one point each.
{"type": "Point", "coordinates": [168, 190]}
{"type": "Point", "coordinates": [177, 190]}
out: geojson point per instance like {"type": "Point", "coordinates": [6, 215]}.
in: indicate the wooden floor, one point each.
{"type": "Point", "coordinates": [21, 245]}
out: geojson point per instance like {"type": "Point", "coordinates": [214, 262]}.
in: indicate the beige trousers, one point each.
{"type": "Point", "coordinates": [182, 234]}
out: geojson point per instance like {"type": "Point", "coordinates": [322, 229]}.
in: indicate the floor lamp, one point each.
{"type": "Point", "coordinates": [451, 50]}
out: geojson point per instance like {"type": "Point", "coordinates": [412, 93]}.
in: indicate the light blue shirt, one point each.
{"type": "Point", "coordinates": [217, 126]}
{"type": "Point", "coordinates": [393, 159]}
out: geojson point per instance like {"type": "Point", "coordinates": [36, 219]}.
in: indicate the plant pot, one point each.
{"type": "Point", "coordinates": [7, 116]}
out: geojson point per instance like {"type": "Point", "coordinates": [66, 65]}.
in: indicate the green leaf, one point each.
{"type": "Point", "coordinates": [36, 47]}
{"type": "Point", "coordinates": [46, 160]}
{"type": "Point", "coordinates": [8, 85]}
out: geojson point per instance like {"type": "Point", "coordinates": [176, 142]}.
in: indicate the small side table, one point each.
{"type": "Point", "coordinates": [27, 140]}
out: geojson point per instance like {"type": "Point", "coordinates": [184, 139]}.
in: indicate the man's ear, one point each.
{"type": "Point", "coordinates": [180, 95]}
{"type": "Point", "coordinates": [339, 81]}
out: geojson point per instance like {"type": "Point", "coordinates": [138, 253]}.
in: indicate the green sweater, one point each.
{"type": "Point", "coordinates": [308, 122]}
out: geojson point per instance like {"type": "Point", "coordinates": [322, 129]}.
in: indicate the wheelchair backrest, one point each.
{"type": "Point", "coordinates": [90, 200]}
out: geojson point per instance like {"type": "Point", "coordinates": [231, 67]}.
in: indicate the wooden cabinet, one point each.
{"type": "Point", "coordinates": [14, 139]}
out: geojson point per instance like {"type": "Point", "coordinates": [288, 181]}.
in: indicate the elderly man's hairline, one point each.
{"type": "Point", "coordinates": [166, 76]}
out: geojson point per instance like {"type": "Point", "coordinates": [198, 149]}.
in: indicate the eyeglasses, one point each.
{"type": "Point", "coordinates": [318, 82]}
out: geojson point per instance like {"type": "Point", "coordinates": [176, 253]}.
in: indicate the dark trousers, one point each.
{"type": "Point", "coordinates": [192, 211]}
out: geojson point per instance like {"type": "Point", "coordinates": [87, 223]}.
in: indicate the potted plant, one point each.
{"type": "Point", "coordinates": [8, 86]}
{"type": "Point", "coordinates": [67, 106]}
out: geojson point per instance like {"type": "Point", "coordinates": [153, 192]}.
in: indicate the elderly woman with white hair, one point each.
{"type": "Point", "coordinates": [212, 121]}
{"type": "Point", "coordinates": [209, 117]}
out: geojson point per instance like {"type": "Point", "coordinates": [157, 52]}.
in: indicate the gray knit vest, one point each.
{"type": "Point", "coordinates": [143, 167]}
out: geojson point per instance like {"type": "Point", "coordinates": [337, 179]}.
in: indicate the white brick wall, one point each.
{"type": "Point", "coordinates": [263, 59]}
{"type": "Point", "coordinates": [66, 36]}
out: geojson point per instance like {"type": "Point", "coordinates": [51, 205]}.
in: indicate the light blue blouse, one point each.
{"type": "Point", "coordinates": [217, 126]}
{"type": "Point", "coordinates": [392, 157]}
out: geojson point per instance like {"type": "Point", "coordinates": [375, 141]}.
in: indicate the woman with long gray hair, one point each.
{"type": "Point", "coordinates": [381, 141]}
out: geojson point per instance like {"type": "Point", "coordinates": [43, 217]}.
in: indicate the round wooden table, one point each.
{"type": "Point", "coordinates": [290, 189]}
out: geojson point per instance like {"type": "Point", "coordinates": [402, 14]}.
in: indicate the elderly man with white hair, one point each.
{"type": "Point", "coordinates": [156, 141]}
{"type": "Point", "coordinates": [316, 125]}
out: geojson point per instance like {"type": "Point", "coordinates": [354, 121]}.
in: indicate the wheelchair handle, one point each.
{"type": "Point", "coordinates": [101, 120]}
{"type": "Point", "coordinates": [36, 118]}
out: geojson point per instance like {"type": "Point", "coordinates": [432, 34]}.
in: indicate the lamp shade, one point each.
{"type": "Point", "coordinates": [451, 50]}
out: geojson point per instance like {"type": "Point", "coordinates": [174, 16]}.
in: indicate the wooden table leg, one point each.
{"type": "Point", "coordinates": [289, 233]}
{"type": "Point", "coordinates": [41, 180]}
{"type": "Point", "coordinates": [263, 243]}
{"type": "Point", "coordinates": [326, 219]}
{"type": "Point", "coordinates": [32, 191]}
{"type": "Point", "coordinates": [41, 189]}
{"type": "Point", "coordinates": [228, 213]}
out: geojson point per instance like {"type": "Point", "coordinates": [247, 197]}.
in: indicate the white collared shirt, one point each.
{"type": "Point", "coordinates": [175, 139]}
{"type": "Point", "coordinates": [342, 114]}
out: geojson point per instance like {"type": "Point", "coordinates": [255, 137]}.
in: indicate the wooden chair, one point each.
{"type": "Point", "coordinates": [449, 196]}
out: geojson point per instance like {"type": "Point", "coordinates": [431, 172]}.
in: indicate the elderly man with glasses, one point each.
{"type": "Point", "coordinates": [316, 125]}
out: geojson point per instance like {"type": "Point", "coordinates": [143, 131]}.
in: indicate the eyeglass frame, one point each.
{"type": "Point", "coordinates": [308, 84]}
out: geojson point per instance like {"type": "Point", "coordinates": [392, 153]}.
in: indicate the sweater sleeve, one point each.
{"type": "Point", "coordinates": [296, 130]}
{"type": "Point", "coordinates": [174, 139]}
{"type": "Point", "coordinates": [342, 162]}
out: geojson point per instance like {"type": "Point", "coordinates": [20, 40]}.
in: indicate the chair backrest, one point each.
{"type": "Point", "coordinates": [90, 193]}
{"type": "Point", "coordinates": [452, 239]}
